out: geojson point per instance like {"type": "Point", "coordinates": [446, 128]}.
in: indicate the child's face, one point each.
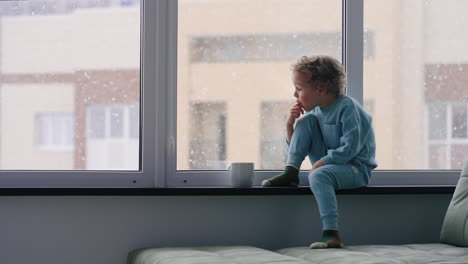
{"type": "Point", "coordinates": [305, 93]}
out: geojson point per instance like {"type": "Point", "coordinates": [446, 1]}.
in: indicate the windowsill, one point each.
{"type": "Point", "coordinates": [222, 191]}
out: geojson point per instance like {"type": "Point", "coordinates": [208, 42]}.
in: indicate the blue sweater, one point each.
{"type": "Point", "coordinates": [347, 132]}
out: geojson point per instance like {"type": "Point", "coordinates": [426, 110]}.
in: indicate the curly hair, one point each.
{"type": "Point", "coordinates": [324, 71]}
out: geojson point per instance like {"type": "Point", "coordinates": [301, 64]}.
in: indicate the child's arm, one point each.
{"type": "Point", "coordinates": [294, 113]}
{"type": "Point", "coordinates": [355, 129]}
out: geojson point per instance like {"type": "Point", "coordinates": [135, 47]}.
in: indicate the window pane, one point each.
{"type": "Point", "coordinates": [54, 131]}
{"type": "Point", "coordinates": [438, 156]}
{"type": "Point", "coordinates": [273, 152]}
{"type": "Point", "coordinates": [109, 145]}
{"type": "Point", "coordinates": [208, 136]}
{"type": "Point", "coordinates": [239, 53]}
{"type": "Point", "coordinates": [77, 57]}
{"type": "Point", "coordinates": [116, 122]}
{"type": "Point", "coordinates": [56, 126]}
{"type": "Point", "coordinates": [459, 121]}
{"type": "Point", "coordinates": [134, 121]}
{"type": "Point", "coordinates": [419, 70]}
{"type": "Point", "coordinates": [458, 155]}
{"type": "Point", "coordinates": [273, 135]}
{"type": "Point", "coordinates": [437, 121]}
{"type": "Point", "coordinates": [96, 121]}
{"type": "Point", "coordinates": [44, 130]}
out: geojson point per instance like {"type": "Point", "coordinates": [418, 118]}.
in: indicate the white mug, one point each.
{"type": "Point", "coordinates": [241, 174]}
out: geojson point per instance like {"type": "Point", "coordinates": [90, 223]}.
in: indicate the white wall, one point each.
{"type": "Point", "coordinates": [102, 230]}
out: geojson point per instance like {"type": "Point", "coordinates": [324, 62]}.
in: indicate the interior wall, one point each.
{"type": "Point", "coordinates": [102, 230]}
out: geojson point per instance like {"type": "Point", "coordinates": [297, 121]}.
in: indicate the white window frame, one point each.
{"type": "Point", "coordinates": [158, 101]}
{"type": "Point", "coordinates": [153, 21]}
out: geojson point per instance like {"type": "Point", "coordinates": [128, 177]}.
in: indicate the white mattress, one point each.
{"type": "Point", "coordinates": [374, 254]}
{"type": "Point", "coordinates": [209, 255]}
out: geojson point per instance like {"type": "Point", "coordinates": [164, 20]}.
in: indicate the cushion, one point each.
{"type": "Point", "coordinates": [207, 255]}
{"type": "Point", "coordinates": [381, 254]}
{"type": "Point", "coordinates": [455, 229]}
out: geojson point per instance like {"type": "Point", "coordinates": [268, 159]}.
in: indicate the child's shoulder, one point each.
{"type": "Point", "coordinates": [346, 101]}
{"type": "Point", "coordinates": [350, 104]}
{"type": "Point", "coordinates": [349, 101]}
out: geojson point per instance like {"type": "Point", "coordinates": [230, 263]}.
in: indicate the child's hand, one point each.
{"type": "Point", "coordinates": [294, 113]}
{"type": "Point", "coordinates": [318, 164]}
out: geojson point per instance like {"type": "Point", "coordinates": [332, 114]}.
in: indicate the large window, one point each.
{"type": "Point", "coordinates": [165, 93]}
{"type": "Point", "coordinates": [70, 93]}
{"type": "Point", "coordinates": [65, 56]}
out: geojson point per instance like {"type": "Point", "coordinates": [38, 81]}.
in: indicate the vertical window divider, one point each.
{"type": "Point", "coordinates": [171, 161]}
{"type": "Point", "coordinates": [166, 96]}
{"type": "Point", "coordinates": [151, 110]}
{"type": "Point", "coordinates": [353, 39]}
{"type": "Point", "coordinates": [158, 24]}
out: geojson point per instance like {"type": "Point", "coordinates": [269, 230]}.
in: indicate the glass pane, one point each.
{"type": "Point", "coordinates": [438, 156]}
{"type": "Point", "coordinates": [134, 121]}
{"type": "Point", "coordinates": [208, 136]}
{"type": "Point", "coordinates": [69, 131]}
{"type": "Point", "coordinates": [116, 122]}
{"type": "Point", "coordinates": [57, 128]}
{"type": "Point", "coordinates": [458, 155]}
{"type": "Point", "coordinates": [243, 60]}
{"type": "Point", "coordinates": [55, 131]}
{"type": "Point", "coordinates": [273, 154]}
{"type": "Point", "coordinates": [109, 143]}
{"type": "Point", "coordinates": [96, 122]}
{"type": "Point", "coordinates": [437, 121]}
{"type": "Point", "coordinates": [419, 65]}
{"type": "Point", "coordinates": [44, 130]}
{"type": "Point", "coordinates": [72, 60]}
{"type": "Point", "coordinates": [459, 121]}
{"type": "Point", "coordinates": [273, 135]}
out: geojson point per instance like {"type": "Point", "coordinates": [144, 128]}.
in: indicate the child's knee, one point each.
{"type": "Point", "coordinates": [318, 177]}
{"type": "Point", "coordinates": [309, 120]}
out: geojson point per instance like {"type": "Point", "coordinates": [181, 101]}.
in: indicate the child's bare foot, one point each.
{"type": "Point", "coordinates": [290, 177]}
{"type": "Point", "coordinates": [330, 239]}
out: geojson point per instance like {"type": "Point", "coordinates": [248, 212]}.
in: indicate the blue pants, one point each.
{"type": "Point", "coordinates": [307, 140]}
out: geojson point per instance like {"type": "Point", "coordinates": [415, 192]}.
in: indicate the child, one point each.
{"type": "Point", "coordinates": [335, 132]}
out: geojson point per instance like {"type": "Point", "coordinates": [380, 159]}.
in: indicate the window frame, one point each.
{"type": "Point", "coordinates": [158, 116]}
{"type": "Point", "coordinates": [150, 27]}
{"type": "Point", "coordinates": [353, 61]}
